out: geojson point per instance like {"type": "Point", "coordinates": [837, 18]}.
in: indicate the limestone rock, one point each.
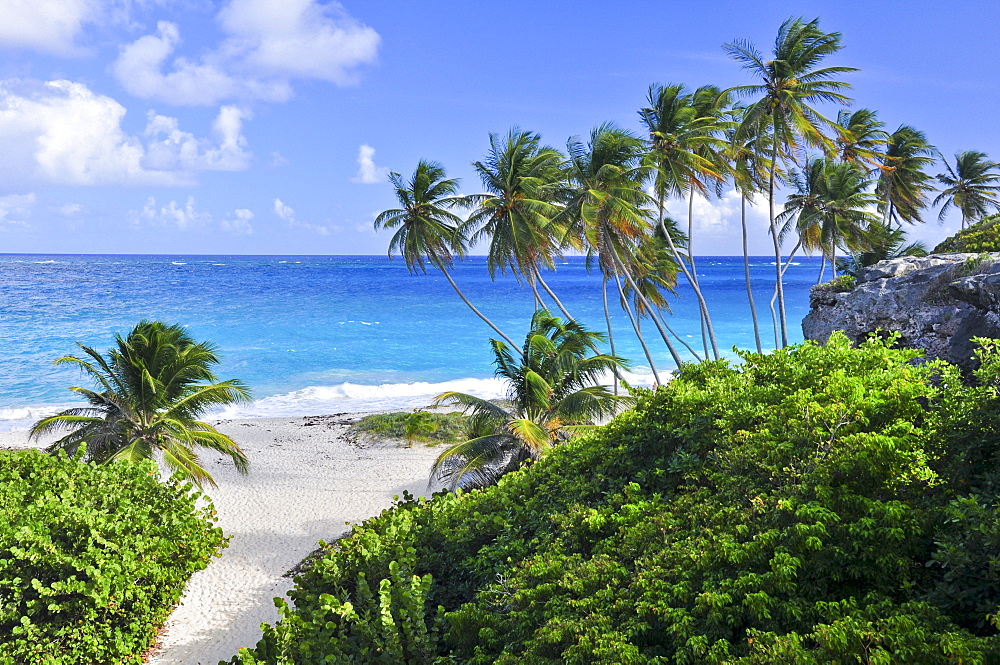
{"type": "Point", "coordinates": [936, 303]}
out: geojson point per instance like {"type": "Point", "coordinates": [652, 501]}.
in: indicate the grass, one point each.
{"type": "Point", "coordinates": [423, 426]}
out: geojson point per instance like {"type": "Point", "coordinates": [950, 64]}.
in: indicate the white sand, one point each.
{"type": "Point", "coordinates": [305, 482]}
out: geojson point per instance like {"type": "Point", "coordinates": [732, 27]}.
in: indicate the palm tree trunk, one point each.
{"type": "Point", "coordinates": [746, 272]}
{"type": "Point", "coordinates": [677, 337]}
{"type": "Point", "coordinates": [607, 319]}
{"type": "Point", "coordinates": [480, 314]}
{"type": "Point", "coordinates": [822, 268]}
{"type": "Point", "coordinates": [552, 295]}
{"type": "Point", "coordinates": [778, 285]}
{"type": "Point", "coordinates": [703, 306]}
{"type": "Point", "coordinates": [534, 290]}
{"type": "Point", "coordinates": [694, 269]}
{"type": "Point", "coordinates": [781, 274]}
{"type": "Point", "coordinates": [642, 342]}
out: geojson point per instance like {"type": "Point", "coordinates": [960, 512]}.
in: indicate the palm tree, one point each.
{"type": "Point", "coordinates": [972, 186]}
{"type": "Point", "coordinates": [884, 242]}
{"type": "Point", "coordinates": [552, 393]}
{"type": "Point", "coordinates": [831, 207]}
{"type": "Point", "coordinates": [428, 229]}
{"type": "Point", "coordinates": [606, 212]}
{"type": "Point", "coordinates": [860, 137]}
{"type": "Point", "coordinates": [522, 180]}
{"type": "Point", "coordinates": [683, 156]}
{"type": "Point", "coordinates": [790, 84]}
{"type": "Point", "coordinates": [150, 390]}
{"type": "Point", "coordinates": [903, 185]}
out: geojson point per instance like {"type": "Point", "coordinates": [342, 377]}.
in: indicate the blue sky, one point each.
{"type": "Point", "coordinates": [267, 127]}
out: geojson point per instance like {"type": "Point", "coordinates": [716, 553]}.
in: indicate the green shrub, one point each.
{"type": "Point", "coordinates": [93, 557]}
{"type": "Point", "coordinates": [418, 425]}
{"type": "Point", "coordinates": [983, 236]}
{"type": "Point", "coordinates": [813, 505]}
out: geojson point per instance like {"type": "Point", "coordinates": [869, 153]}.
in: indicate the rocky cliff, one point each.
{"type": "Point", "coordinates": [937, 303]}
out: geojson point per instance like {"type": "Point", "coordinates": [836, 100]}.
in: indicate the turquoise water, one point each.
{"type": "Point", "coordinates": [322, 334]}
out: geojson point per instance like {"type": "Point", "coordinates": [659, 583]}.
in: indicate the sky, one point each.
{"type": "Point", "coordinates": [269, 127]}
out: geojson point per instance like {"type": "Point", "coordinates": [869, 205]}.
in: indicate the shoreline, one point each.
{"type": "Point", "coordinates": [307, 482]}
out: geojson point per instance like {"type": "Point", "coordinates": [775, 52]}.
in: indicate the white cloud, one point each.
{"type": "Point", "coordinates": [170, 149]}
{"type": "Point", "coordinates": [180, 217]}
{"type": "Point", "coordinates": [278, 160]}
{"type": "Point", "coordinates": [239, 223]}
{"type": "Point", "coordinates": [287, 213]}
{"type": "Point", "coordinates": [368, 173]}
{"type": "Point", "coordinates": [62, 132]}
{"type": "Point", "coordinates": [70, 209]}
{"type": "Point", "coordinates": [717, 226]}
{"type": "Point", "coordinates": [50, 26]}
{"type": "Point", "coordinates": [15, 209]}
{"type": "Point", "coordinates": [267, 45]}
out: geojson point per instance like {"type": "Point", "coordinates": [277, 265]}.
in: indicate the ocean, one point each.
{"type": "Point", "coordinates": [330, 334]}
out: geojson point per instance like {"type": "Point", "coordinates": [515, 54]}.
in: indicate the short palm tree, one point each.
{"type": "Point", "coordinates": [903, 184]}
{"type": "Point", "coordinates": [790, 84]}
{"type": "Point", "coordinates": [831, 207]}
{"type": "Point", "coordinates": [973, 186]}
{"type": "Point", "coordinates": [427, 228]}
{"type": "Point", "coordinates": [151, 388]}
{"type": "Point", "coordinates": [884, 242]}
{"type": "Point", "coordinates": [553, 392]}
{"type": "Point", "coordinates": [859, 138]}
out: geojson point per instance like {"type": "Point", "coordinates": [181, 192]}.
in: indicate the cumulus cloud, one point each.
{"type": "Point", "coordinates": [287, 213]}
{"type": "Point", "coordinates": [15, 209]}
{"type": "Point", "coordinates": [267, 45]}
{"type": "Point", "coordinates": [62, 132]}
{"type": "Point", "coordinates": [368, 173]}
{"type": "Point", "coordinates": [171, 215]}
{"type": "Point", "coordinates": [170, 149]}
{"type": "Point", "coordinates": [49, 26]}
{"type": "Point", "coordinates": [239, 223]}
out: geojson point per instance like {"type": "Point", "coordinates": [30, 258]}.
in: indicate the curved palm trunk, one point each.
{"type": "Point", "coordinates": [552, 295]}
{"type": "Point", "coordinates": [702, 311]}
{"type": "Point", "coordinates": [822, 269]}
{"type": "Point", "coordinates": [607, 319]}
{"type": "Point", "coordinates": [642, 342]}
{"type": "Point", "coordinates": [677, 337]}
{"type": "Point", "coordinates": [534, 291]}
{"type": "Point", "coordinates": [703, 306]}
{"type": "Point", "coordinates": [746, 272]}
{"type": "Point", "coordinates": [619, 266]}
{"type": "Point", "coordinates": [779, 273]}
{"type": "Point", "coordinates": [480, 314]}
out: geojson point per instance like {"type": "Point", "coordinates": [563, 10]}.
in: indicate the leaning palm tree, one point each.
{"type": "Point", "coordinates": [884, 242]}
{"type": "Point", "coordinates": [859, 138]}
{"type": "Point", "coordinates": [427, 228]}
{"type": "Point", "coordinates": [522, 180]}
{"type": "Point", "coordinates": [903, 184]}
{"type": "Point", "coordinates": [150, 390]}
{"type": "Point", "coordinates": [791, 83]}
{"type": "Point", "coordinates": [831, 207]}
{"type": "Point", "coordinates": [973, 186]}
{"type": "Point", "coordinates": [553, 392]}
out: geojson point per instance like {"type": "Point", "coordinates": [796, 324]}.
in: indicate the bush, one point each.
{"type": "Point", "coordinates": [983, 236]}
{"type": "Point", "coordinates": [419, 425]}
{"type": "Point", "coordinates": [93, 557]}
{"type": "Point", "coordinates": [813, 505]}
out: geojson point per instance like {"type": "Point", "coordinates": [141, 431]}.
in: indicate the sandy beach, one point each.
{"type": "Point", "coordinates": [307, 480]}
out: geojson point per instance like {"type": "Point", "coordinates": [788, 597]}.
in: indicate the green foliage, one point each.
{"type": "Point", "coordinates": [841, 283]}
{"type": "Point", "coordinates": [422, 425]}
{"type": "Point", "coordinates": [813, 505]}
{"type": "Point", "coordinates": [93, 558]}
{"type": "Point", "coordinates": [983, 236]}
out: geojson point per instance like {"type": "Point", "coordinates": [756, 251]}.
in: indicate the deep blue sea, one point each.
{"type": "Point", "coordinates": [325, 334]}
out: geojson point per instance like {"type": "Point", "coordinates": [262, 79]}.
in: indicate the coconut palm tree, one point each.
{"type": "Point", "coordinates": [607, 212]}
{"type": "Point", "coordinates": [859, 137]}
{"type": "Point", "coordinates": [903, 184]}
{"type": "Point", "coordinates": [831, 207]}
{"type": "Point", "coordinates": [973, 186]}
{"type": "Point", "coordinates": [884, 242]}
{"type": "Point", "coordinates": [684, 143]}
{"type": "Point", "coordinates": [150, 390]}
{"type": "Point", "coordinates": [427, 228]}
{"type": "Point", "coordinates": [553, 392]}
{"type": "Point", "coordinates": [523, 183]}
{"type": "Point", "coordinates": [791, 83]}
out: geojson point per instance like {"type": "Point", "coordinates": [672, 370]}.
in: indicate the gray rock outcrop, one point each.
{"type": "Point", "coordinates": [936, 303]}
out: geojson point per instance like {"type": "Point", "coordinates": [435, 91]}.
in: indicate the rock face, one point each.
{"type": "Point", "coordinates": [936, 303]}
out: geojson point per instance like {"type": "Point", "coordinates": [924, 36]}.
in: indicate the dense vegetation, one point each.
{"type": "Point", "coordinates": [93, 557]}
{"type": "Point", "coordinates": [424, 426]}
{"type": "Point", "coordinates": [983, 236]}
{"type": "Point", "coordinates": [814, 505]}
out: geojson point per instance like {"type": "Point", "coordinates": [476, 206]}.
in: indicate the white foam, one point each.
{"type": "Point", "coordinates": [19, 418]}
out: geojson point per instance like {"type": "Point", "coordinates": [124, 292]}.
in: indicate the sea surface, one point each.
{"type": "Point", "coordinates": [328, 334]}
